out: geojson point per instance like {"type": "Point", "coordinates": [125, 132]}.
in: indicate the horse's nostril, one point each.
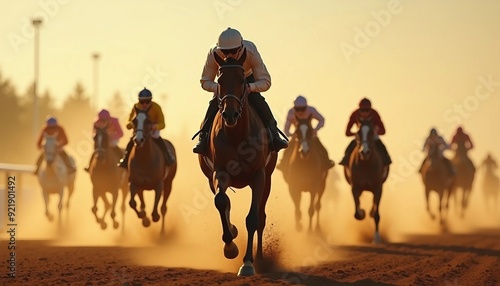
{"type": "Point", "coordinates": [235, 115]}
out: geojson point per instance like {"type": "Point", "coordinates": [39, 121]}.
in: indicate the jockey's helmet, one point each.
{"type": "Point", "coordinates": [433, 132]}
{"type": "Point", "coordinates": [104, 114]}
{"type": "Point", "coordinates": [300, 101]}
{"type": "Point", "coordinates": [365, 103]}
{"type": "Point", "coordinates": [229, 39]}
{"type": "Point", "coordinates": [460, 130]}
{"type": "Point", "coordinates": [51, 121]}
{"type": "Point", "coordinates": [145, 94]}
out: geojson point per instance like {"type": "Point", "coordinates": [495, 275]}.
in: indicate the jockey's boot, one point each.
{"type": "Point", "coordinates": [202, 146]}
{"type": "Point", "coordinates": [277, 142]}
{"type": "Point", "coordinates": [347, 155]}
{"type": "Point", "coordinates": [86, 169]}
{"type": "Point", "coordinates": [38, 163]}
{"type": "Point", "coordinates": [169, 158]}
{"type": "Point", "coordinates": [67, 162]}
{"type": "Point", "coordinates": [385, 155]}
{"type": "Point", "coordinates": [123, 163]}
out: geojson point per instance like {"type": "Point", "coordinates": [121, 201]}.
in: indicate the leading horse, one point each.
{"type": "Point", "coordinates": [305, 172]}
{"type": "Point", "coordinates": [366, 172]}
{"type": "Point", "coordinates": [107, 178]}
{"type": "Point", "coordinates": [54, 176]}
{"type": "Point", "coordinates": [437, 177]}
{"type": "Point", "coordinates": [239, 156]}
{"type": "Point", "coordinates": [464, 179]}
{"type": "Point", "coordinates": [148, 170]}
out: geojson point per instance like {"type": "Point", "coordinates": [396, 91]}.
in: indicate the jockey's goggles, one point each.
{"type": "Point", "coordinates": [145, 101]}
{"type": "Point", "coordinates": [230, 51]}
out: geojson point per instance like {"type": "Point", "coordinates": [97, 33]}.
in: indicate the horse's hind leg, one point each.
{"type": "Point", "coordinates": [427, 195]}
{"type": "Point", "coordinates": [296, 197]}
{"type": "Point", "coordinates": [262, 218]}
{"type": "Point", "coordinates": [167, 189]}
{"type": "Point", "coordinates": [158, 192]}
{"type": "Point", "coordinates": [113, 206]}
{"type": "Point", "coordinates": [311, 210]}
{"type": "Point", "coordinates": [377, 195]}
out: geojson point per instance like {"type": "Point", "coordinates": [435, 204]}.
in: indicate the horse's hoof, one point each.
{"type": "Point", "coordinates": [115, 225]}
{"type": "Point", "coordinates": [156, 217]}
{"type": "Point", "coordinates": [103, 225]}
{"type": "Point", "coordinates": [141, 214]}
{"type": "Point", "coordinates": [246, 269]}
{"type": "Point", "coordinates": [146, 222]}
{"type": "Point", "coordinates": [360, 215]}
{"type": "Point", "coordinates": [231, 250]}
{"type": "Point", "coordinates": [234, 231]}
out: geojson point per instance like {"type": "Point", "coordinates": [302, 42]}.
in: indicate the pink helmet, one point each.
{"type": "Point", "coordinates": [300, 101]}
{"type": "Point", "coordinates": [104, 114]}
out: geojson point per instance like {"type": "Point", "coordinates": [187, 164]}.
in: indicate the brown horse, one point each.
{"type": "Point", "coordinates": [238, 156]}
{"type": "Point", "coordinates": [106, 178]}
{"type": "Point", "coordinates": [464, 179]}
{"type": "Point", "coordinates": [436, 177]}
{"type": "Point", "coordinates": [305, 172]}
{"type": "Point", "coordinates": [148, 170]}
{"type": "Point", "coordinates": [366, 172]}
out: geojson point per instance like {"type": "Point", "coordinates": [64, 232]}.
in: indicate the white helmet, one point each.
{"type": "Point", "coordinates": [300, 101]}
{"type": "Point", "coordinates": [229, 39]}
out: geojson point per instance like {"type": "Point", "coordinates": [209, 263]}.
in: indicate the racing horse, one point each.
{"type": "Point", "coordinates": [147, 170]}
{"type": "Point", "coordinates": [366, 172]}
{"type": "Point", "coordinates": [464, 179]}
{"type": "Point", "coordinates": [437, 177]}
{"type": "Point", "coordinates": [238, 156]}
{"type": "Point", "coordinates": [54, 176]}
{"type": "Point", "coordinates": [490, 186]}
{"type": "Point", "coordinates": [106, 178]}
{"type": "Point", "coordinates": [305, 173]}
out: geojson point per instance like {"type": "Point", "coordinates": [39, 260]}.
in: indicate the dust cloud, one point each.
{"type": "Point", "coordinates": [193, 230]}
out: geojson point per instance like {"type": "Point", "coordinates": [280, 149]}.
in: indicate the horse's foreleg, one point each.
{"type": "Point", "coordinates": [223, 205]}
{"type": "Point", "coordinates": [158, 193]}
{"type": "Point", "coordinates": [427, 195]}
{"type": "Point", "coordinates": [377, 195]}
{"type": "Point", "coordinates": [167, 188]}
{"type": "Point", "coordinates": [359, 213]}
{"type": "Point", "coordinates": [46, 199]}
{"type": "Point", "coordinates": [94, 207]}
{"type": "Point", "coordinates": [311, 210]}
{"type": "Point", "coordinates": [296, 197]}
{"type": "Point", "coordinates": [262, 217]}
{"type": "Point", "coordinates": [132, 203]}
{"type": "Point", "coordinates": [60, 204]}
{"type": "Point", "coordinates": [113, 206]}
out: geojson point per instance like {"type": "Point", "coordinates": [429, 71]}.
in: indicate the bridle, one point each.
{"type": "Point", "coordinates": [241, 101]}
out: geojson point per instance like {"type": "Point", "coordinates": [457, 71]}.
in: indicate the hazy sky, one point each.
{"type": "Point", "coordinates": [422, 63]}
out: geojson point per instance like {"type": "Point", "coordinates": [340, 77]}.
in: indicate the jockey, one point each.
{"type": "Point", "coordinates": [156, 116]}
{"type": "Point", "coordinates": [366, 112]}
{"type": "Point", "coordinates": [461, 140]}
{"type": "Point", "coordinates": [231, 44]}
{"type": "Point", "coordinates": [301, 110]}
{"type": "Point", "coordinates": [53, 128]}
{"type": "Point", "coordinates": [435, 143]}
{"type": "Point", "coordinates": [114, 130]}
{"type": "Point", "coordinates": [489, 163]}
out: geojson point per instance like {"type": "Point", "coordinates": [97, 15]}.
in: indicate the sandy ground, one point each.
{"type": "Point", "coordinates": [415, 250]}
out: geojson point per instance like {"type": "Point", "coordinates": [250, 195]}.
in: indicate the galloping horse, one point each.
{"type": "Point", "coordinates": [305, 173]}
{"type": "Point", "coordinates": [238, 156]}
{"type": "Point", "coordinates": [465, 177]}
{"type": "Point", "coordinates": [491, 187]}
{"type": "Point", "coordinates": [54, 176]}
{"type": "Point", "coordinates": [366, 172]}
{"type": "Point", "coordinates": [106, 178]}
{"type": "Point", "coordinates": [148, 170]}
{"type": "Point", "coordinates": [436, 177]}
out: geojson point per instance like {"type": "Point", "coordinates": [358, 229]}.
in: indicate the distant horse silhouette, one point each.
{"type": "Point", "coordinates": [305, 172]}
{"type": "Point", "coordinates": [491, 187]}
{"type": "Point", "coordinates": [366, 172]}
{"type": "Point", "coordinates": [148, 171]}
{"type": "Point", "coordinates": [106, 177]}
{"type": "Point", "coordinates": [238, 156]}
{"type": "Point", "coordinates": [464, 179]}
{"type": "Point", "coordinates": [54, 176]}
{"type": "Point", "coordinates": [436, 177]}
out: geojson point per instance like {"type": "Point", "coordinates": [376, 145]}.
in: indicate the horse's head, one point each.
{"type": "Point", "coordinates": [50, 148]}
{"type": "Point", "coordinates": [232, 88]}
{"type": "Point", "coordinates": [365, 138]}
{"type": "Point", "coordinates": [101, 142]}
{"type": "Point", "coordinates": [303, 134]}
{"type": "Point", "coordinates": [142, 126]}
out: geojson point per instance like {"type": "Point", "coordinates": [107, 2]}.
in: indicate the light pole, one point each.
{"type": "Point", "coordinates": [36, 24]}
{"type": "Point", "coordinates": [96, 56]}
